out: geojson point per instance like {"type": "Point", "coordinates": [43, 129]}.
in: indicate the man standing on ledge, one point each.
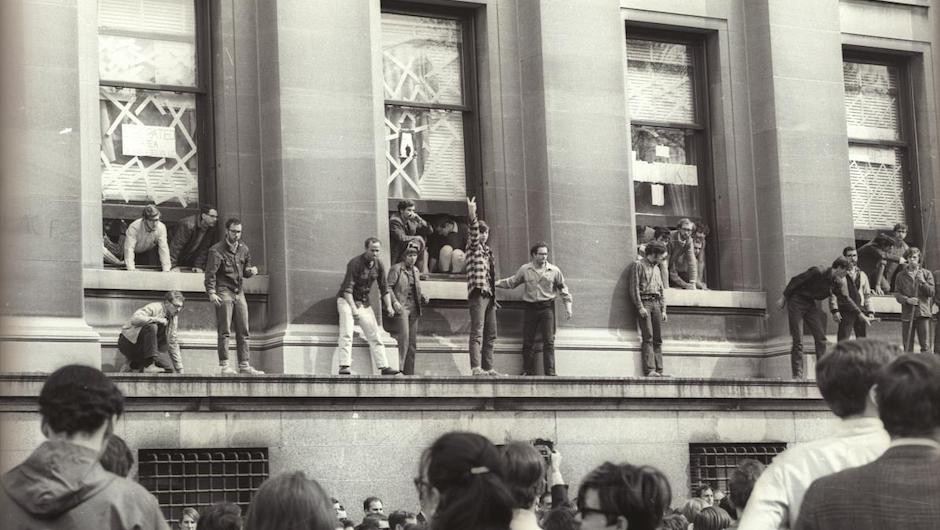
{"type": "Point", "coordinates": [543, 282]}
{"type": "Point", "coordinates": [481, 294]}
{"type": "Point", "coordinates": [228, 265]}
{"type": "Point", "coordinates": [645, 285]}
{"type": "Point", "coordinates": [352, 304]}
{"type": "Point", "coordinates": [800, 298]}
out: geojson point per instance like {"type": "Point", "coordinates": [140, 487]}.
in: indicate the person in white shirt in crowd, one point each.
{"type": "Point", "coordinates": [144, 238]}
{"type": "Point", "coordinates": [844, 377]}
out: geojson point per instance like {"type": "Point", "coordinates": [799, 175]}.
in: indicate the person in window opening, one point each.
{"type": "Point", "coordinates": [850, 302]}
{"type": "Point", "coordinates": [353, 306]}
{"type": "Point", "coordinates": [800, 299]}
{"type": "Point", "coordinates": [150, 331]}
{"type": "Point", "coordinates": [661, 234]}
{"type": "Point", "coordinates": [647, 292]}
{"type": "Point", "coordinates": [446, 246]}
{"type": "Point", "coordinates": [872, 259]}
{"type": "Point", "coordinates": [113, 241]}
{"type": "Point", "coordinates": [623, 496]}
{"type": "Point", "coordinates": [543, 282]}
{"type": "Point", "coordinates": [404, 285]}
{"type": "Point", "coordinates": [228, 265]}
{"type": "Point", "coordinates": [408, 228]}
{"type": "Point", "coordinates": [683, 264]}
{"type": "Point", "coordinates": [481, 295]}
{"type": "Point", "coordinates": [894, 257]}
{"type": "Point", "coordinates": [189, 246]}
{"type": "Point", "coordinates": [914, 290]}
{"type": "Point", "coordinates": [145, 242]}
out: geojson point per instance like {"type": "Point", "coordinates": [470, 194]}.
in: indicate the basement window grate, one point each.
{"type": "Point", "coordinates": [710, 464]}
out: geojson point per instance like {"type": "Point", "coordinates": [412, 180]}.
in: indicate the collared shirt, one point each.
{"type": "Point", "coordinates": [523, 520]}
{"type": "Point", "coordinates": [914, 283]}
{"type": "Point", "coordinates": [480, 263]}
{"type": "Point", "coordinates": [899, 442]}
{"type": "Point", "coordinates": [227, 266]}
{"type": "Point", "coordinates": [854, 298]}
{"type": "Point", "coordinates": [645, 279]}
{"type": "Point", "coordinates": [361, 273]}
{"type": "Point", "coordinates": [682, 255]}
{"type": "Point", "coordinates": [146, 315]}
{"type": "Point", "coordinates": [139, 239]}
{"type": "Point", "coordinates": [541, 285]}
{"type": "Point", "coordinates": [777, 495]}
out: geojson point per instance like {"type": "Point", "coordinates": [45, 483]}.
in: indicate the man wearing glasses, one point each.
{"type": "Point", "coordinates": [683, 264]}
{"type": "Point", "coordinates": [189, 246]}
{"type": "Point", "coordinates": [623, 496]}
{"type": "Point", "coordinates": [152, 329]}
{"type": "Point", "coordinates": [145, 242]}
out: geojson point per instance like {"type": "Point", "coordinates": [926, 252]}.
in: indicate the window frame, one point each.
{"type": "Point", "coordinates": [205, 123]}
{"type": "Point", "coordinates": [697, 40]}
{"type": "Point", "coordinates": [907, 143]}
{"type": "Point", "coordinates": [470, 109]}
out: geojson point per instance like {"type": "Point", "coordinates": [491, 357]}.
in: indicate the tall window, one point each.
{"type": "Point", "coordinates": [883, 191]}
{"type": "Point", "coordinates": [429, 106]}
{"type": "Point", "coordinates": [153, 106]}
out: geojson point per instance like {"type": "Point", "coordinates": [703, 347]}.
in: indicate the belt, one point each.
{"type": "Point", "coordinates": [650, 297]}
{"type": "Point", "coordinates": [543, 303]}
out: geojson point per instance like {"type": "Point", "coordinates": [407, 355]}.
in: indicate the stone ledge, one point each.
{"type": "Point", "coordinates": [187, 282]}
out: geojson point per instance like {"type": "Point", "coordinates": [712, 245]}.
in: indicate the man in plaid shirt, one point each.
{"type": "Point", "coordinates": [481, 295]}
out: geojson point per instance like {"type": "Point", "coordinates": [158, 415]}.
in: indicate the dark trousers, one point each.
{"type": "Point", "coordinates": [482, 330]}
{"type": "Point", "coordinates": [150, 342]}
{"type": "Point", "coordinates": [539, 317]}
{"type": "Point", "coordinates": [800, 310]}
{"type": "Point", "coordinates": [234, 310]}
{"type": "Point", "coordinates": [407, 338]}
{"type": "Point", "coordinates": [652, 336]}
{"type": "Point", "coordinates": [850, 322]}
{"type": "Point", "coordinates": [921, 328]}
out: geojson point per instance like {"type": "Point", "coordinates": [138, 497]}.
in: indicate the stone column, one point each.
{"type": "Point", "coordinates": [42, 325]}
{"type": "Point", "coordinates": [800, 150]}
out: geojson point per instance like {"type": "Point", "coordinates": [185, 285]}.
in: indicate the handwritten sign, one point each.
{"type": "Point", "coordinates": [147, 140]}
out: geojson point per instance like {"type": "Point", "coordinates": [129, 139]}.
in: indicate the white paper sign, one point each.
{"type": "Point", "coordinates": [658, 194]}
{"type": "Point", "coordinates": [147, 140]}
{"type": "Point", "coordinates": [662, 150]}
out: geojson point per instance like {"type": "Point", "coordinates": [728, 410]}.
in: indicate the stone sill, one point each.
{"type": "Point", "coordinates": [884, 304]}
{"type": "Point", "coordinates": [187, 282]}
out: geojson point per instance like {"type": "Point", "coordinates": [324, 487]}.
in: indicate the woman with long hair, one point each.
{"type": "Point", "coordinates": [291, 501]}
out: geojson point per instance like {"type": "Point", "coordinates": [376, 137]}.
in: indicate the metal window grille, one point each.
{"type": "Point", "coordinates": [710, 464]}
{"type": "Point", "coordinates": [201, 477]}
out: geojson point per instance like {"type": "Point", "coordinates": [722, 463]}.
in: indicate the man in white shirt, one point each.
{"type": "Point", "coordinates": [143, 237]}
{"type": "Point", "coordinates": [844, 377]}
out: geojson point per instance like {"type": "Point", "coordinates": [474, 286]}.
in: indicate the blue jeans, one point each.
{"type": "Point", "coordinates": [652, 336]}
{"type": "Point", "coordinates": [407, 338]}
{"type": "Point", "coordinates": [234, 309]}
{"type": "Point", "coordinates": [482, 330]}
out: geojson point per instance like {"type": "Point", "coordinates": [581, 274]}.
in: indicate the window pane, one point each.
{"type": "Point", "coordinates": [871, 101]}
{"type": "Point", "coordinates": [421, 59]}
{"type": "Point", "coordinates": [147, 41]}
{"type": "Point", "coordinates": [148, 152]}
{"type": "Point", "coordinates": [659, 81]}
{"type": "Point", "coordinates": [425, 154]}
{"type": "Point", "coordinates": [877, 186]}
{"type": "Point", "coordinates": [665, 174]}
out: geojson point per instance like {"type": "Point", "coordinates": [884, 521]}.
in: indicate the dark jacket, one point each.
{"type": "Point", "coordinates": [400, 284]}
{"type": "Point", "coordinates": [62, 485]}
{"type": "Point", "coordinates": [404, 232]}
{"type": "Point", "coordinates": [227, 269]}
{"type": "Point", "coordinates": [813, 284]}
{"type": "Point", "coordinates": [359, 278]}
{"type": "Point", "coordinates": [189, 246]}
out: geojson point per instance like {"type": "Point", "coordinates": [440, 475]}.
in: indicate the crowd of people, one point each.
{"type": "Point", "coordinates": [887, 444]}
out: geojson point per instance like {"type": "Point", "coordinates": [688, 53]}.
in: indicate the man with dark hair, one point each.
{"type": "Point", "coordinates": [647, 292]}
{"type": "Point", "coordinates": [151, 330]}
{"type": "Point", "coordinates": [850, 302]}
{"type": "Point", "coordinates": [524, 469]}
{"type": "Point", "coordinates": [117, 457]}
{"type": "Point", "coordinates": [189, 246]}
{"type": "Point", "coordinates": [145, 241]}
{"type": "Point", "coordinates": [741, 482]}
{"type": "Point", "coordinates": [374, 521]}
{"type": "Point", "coordinates": [354, 307]}
{"type": "Point", "coordinates": [544, 282]}
{"type": "Point", "coordinates": [894, 254]}
{"type": "Point", "coordinates": [408, 228]}
{"type": "Point", "coordinates": [404, 286]}
{"type": "Point", "coordinates": [481, 294]}
{"type": "Point", "coordinates": [624, 495]}
{"type": "Point", "coordinates": [62, 484]}
{"type": "Point", "coordinates": [707, 494]}
{"type": "Point", "coordinates": [222, 515]}
{"type": "Point", "coordinates": [800, 297]}
{"type": "Point", "coordinates": [845, 377]}
{"type": "Point", "coordinates": [901, 489]}
{"type": "Point", "coordinates": [338, 508]}
{"type": "Point", "coordinates": [228, 265]}
{"type": "Point", "coordinates": [372, 505]}
{"type": "Point", "coordinates": [399, 519]}
{"type": "Point", "coordinates": [914, 290]}
{"type": "Point", "coordinates": [683, 265]}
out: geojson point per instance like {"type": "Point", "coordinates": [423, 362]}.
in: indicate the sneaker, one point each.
{"type": "Point", "coordinates": [492, 372]}
{"type": "Point", "coordinates": [225, 369]}
{"type": "Point", "coordinates": [653, 374]}
{"type": "Point", "coordinates": [660, 374]}
{"type": "Point", "coordinates": [477, 371]}
{"type": "Point", "coordinates": [154, 369]}
{"type": "Point", "coordinates": [344, 370]}
{"type": "Point", "coordinates": [248, 370]}
{"type": "Point", "coordinates": [388, 370]}
{"type": "Point", "coordinates": [126, 368]}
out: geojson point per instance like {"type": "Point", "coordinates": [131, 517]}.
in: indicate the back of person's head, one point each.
{"type": "Point", "coordinates": [675, 521]}
{"type": "Point", "coordinates": [661, 233]}
{"type": "Point", "coordinates": [908, 396]}
{"type": "Point", "coordinates": [77, 398]}
{"type": "Point", "coordinates": [524, 469]}
{"type": "Point", "coordinates": [655, 248]}
{"type": "Point", "coordinates": [711, 518]}
{"type": "Point", "coordinates": [220, 516]}
{"type": "Point", "coordinates": [692, 506]}
{"type": "Point", "coordinates": [741, 482]}
{"type": "Point", "coordinates": [399, 517]}
{"type": "Point", "coordinates": [560, 518]}
{"type": "Point", "coordinates": [380, 520]}
{"type": "Point", "coordinates": [846, 374]}
{"type": "Point", "coordinates": [640, 494]}
{"type": "Point", "coordinates": [117, 457]}
{"type": "Point", "coordinates": [369, 524]}
{"type": "Point", "coordinates": [841, 263]}
{"type": "Point", "coordinates": [466, 470]}
{"type": "Point", "coordinates": [287, 498]}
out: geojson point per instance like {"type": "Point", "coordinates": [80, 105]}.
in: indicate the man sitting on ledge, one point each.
{"type": "Point", "coordinates": [150, 331]}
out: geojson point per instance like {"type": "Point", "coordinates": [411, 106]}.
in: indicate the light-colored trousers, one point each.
{"type": "Point", "coordinates": [370, 331]}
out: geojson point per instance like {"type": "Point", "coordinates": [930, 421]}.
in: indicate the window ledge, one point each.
{"type": "Point", "coordinates": [885, 304]}
{"type": "Point", "coordinates": [188, 282]}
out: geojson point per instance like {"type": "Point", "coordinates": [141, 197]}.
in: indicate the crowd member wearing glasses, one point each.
{"type": "Point", "coordinates": [623, 496]}
{"type": "Point", "coordinates": [460, 486]}
{"type": "Point", "coordinates": [152, 329]}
